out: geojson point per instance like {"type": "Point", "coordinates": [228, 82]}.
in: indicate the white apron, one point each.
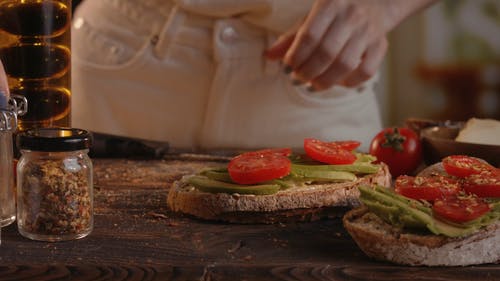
{"type": "Point", "coordinates": [192, 73]}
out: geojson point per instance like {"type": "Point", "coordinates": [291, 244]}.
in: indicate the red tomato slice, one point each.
{"type": "Point", "coordinates": [348, 144]}
{"type": "Point", "coordinates": [460, 209]}
{"type": "Point", "coordinates": [257, 167]}
{"type": "Point", "coordinates": [426, 188]}
{"type": "Point", "coordinates": [280, 151]}
{"type": "Point", "coordinates": [485, 184]}
{"type": "Point", "coordinates": [328, 152]}
{"type": "Point", "coordinates": [463, 166]}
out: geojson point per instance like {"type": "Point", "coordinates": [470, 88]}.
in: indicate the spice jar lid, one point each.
{"type": "Point", "coordinates": [10, 108]}
{"type": "Point", "coordinates": [54, 139]}
{"type": "Point", "coordinates": [8, 120]}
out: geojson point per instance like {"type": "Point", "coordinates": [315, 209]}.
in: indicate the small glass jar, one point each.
{"type": "Point", "coordinates": [7, 189]}
{"type": "Point", "coordinates": [10, 108]}
{"type": "Point", "coordinates": [54, 184]}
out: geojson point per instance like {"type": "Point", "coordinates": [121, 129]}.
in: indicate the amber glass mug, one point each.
{"type": "Point", "coordinates": [35, 48]}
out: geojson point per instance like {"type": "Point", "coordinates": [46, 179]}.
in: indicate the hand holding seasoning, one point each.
{"type": "Point", "coordinates": [55, 195]}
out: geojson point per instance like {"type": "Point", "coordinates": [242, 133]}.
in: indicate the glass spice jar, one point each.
{"type": "Point", "coordinates": [10, 108]}
{"type": "Point", "coordinates": [54, 184]}
{"type": "Point", "coordinates": [7, 191]}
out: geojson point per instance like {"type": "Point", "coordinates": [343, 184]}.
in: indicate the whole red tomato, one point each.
{"type": "Point", "coordinates": [399, 148]}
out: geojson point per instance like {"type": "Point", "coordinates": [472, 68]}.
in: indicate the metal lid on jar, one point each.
{"type": "Point", "coordinates": [54, 139]}
{"type": "Point", "coordinates": [8, 120]}
{"type": "Point", "coordinates": [10, 108]}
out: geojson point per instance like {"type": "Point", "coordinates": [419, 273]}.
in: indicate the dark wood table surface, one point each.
{"type": "Point", "coordinates": [136, 237]}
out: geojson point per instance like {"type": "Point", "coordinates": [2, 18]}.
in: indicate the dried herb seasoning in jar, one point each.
{"type": "Point", "coordinates": [54, 184]}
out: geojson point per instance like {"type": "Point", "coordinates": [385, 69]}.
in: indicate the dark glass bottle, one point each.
{"type": "Point", "coordinates": [35, 48]}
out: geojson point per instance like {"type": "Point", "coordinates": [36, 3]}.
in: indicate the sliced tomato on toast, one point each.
{"type": "Point", "coordinates": [463, 166]}
{"type": "Point", "coordinates": [334, 153]}
{"type": "Point", "coordinates": [460, 209]}
{"type": "Point", "coordinates": [426, 187]}
{"type": "Point", "coordinates": [260, 166]}
{"type": "Point", "coordinates": [485, 184]}
{"type": "Point", "coordinates": [280, 151]}
{"type": "Point", "coordinates": [347, 144]}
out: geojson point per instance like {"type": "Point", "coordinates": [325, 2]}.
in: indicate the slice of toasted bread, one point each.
{"type": "Point", "coordinates": [301, 203]}
{"type": "Point", "coordinates": [385, 242]}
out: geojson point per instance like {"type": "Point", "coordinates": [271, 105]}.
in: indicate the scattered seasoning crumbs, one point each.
{"type": "Point", "coordinates": [55, 200]}
{"type": "Point", "coordinates": [157, 215]}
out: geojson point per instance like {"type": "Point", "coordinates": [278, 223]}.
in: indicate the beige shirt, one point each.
{"type": "Point", "coordinates": [192, 73]}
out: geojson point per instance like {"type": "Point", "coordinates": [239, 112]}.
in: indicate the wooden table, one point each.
{"type": "Point", "coordinates": [137, 238]}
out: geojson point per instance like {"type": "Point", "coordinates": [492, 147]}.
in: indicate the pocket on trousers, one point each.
{"type": "Point", "coordinates": [336, 95]}
{"type": "Point", "coordinates": [107, 48]}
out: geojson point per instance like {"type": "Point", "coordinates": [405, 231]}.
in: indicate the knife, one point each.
{"type": "Point", "coordinates": [114, 146]}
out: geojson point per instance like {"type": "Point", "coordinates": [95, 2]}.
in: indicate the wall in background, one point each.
{"type": "Point", "coordinates": [444, 64]}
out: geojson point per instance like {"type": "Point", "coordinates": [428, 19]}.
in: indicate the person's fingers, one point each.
{"type": "Point", "coordinates": [372, 59]}
{"type": "Point", "coordinates": [334, 44]}
{"type": "Point", "coordinates": [346, 62]}
{"type": "Point", "coordinates": [278, 50]}
{"type": "Point", "coordinates": [326, 53]}
{"type": "Point", "coordinates": [309, 34]}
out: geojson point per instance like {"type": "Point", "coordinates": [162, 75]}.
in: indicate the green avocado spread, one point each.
{"type": "Point", "coordinates": [304, 171]}
{"type": "Point", "coordinates": [413, 214]}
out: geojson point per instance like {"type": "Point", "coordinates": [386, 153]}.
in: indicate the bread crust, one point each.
{"type": "Point", "coordinates": [382, 241]}
{"type": "Point", "coordinates": [295, 204]}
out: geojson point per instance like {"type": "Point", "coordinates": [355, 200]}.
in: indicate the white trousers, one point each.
{"type": "Point", "coordinates": [163, 72]}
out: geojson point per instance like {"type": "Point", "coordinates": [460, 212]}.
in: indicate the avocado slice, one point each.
{"type": "Point", "coordinates": [218, 175]}
{"type": "Point", "coordinates": [213, 186]}
{"type": "Point", "coordinates": [313, 173]}
{"type": "Point", "coordinates": [408, 213]}
{"type": "Point", "coordinates": [223, 176]}
{"type": "Point", "coordinates": [364, 158]}
{"type": "Point", "coordinates": [357, 168]}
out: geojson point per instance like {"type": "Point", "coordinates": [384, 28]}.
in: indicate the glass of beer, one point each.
{"type": "Point", "coordinates": [35, 48]}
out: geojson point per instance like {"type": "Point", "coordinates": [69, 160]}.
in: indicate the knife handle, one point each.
{"type": "Point", "coordinates": [113, 146]}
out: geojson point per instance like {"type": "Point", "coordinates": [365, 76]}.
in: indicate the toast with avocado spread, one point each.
{"type": "Point", "coordinates": [310, 191]}
{"type": "Point", "coordinates": [392, 227]}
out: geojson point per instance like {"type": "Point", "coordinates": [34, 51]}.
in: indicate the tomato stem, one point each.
{"type": "Point", "coordinates": [394, 140]}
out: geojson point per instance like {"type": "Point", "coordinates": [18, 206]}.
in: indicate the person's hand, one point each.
{"type": "Point", "coordinates": [340, 41]}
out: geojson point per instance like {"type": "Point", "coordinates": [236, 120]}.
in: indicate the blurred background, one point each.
{"type": "Point", "coordinates": [443, 64]}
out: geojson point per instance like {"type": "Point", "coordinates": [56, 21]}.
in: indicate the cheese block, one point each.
{"type": "Point", "coordinates": [481, 131]}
